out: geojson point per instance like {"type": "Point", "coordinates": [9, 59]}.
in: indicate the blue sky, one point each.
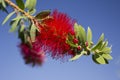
{"type": "Point", "coordinates": [103, 16]}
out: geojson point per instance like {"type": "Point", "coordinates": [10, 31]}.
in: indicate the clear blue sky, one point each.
{"type": "Point", "coordinates": [100, 15]}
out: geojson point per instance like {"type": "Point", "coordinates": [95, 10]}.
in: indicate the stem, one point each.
{"type": "Point", "coordinates": [35, 21]}
{"type": "Point", "coordinates": [78, 56]}
{"type": "Point", "coordinates": [20, 10]}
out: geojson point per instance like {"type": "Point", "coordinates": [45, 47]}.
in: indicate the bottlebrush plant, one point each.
{"type": "Point", "coordinates": [52, 33]}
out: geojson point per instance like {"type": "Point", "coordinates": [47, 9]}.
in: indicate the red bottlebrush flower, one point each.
{"type": "Point", "coordinates": [72, 53]}
{"type": "Point", "coordinates": [32, 55]}
{"type": "Point", "coordinates": [72, 33]}
{"type": "Point", "coordinates": [55, 32]}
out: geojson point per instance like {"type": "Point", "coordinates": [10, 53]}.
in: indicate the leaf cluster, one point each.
{"type": "Point", "coordinates": [100, 51]}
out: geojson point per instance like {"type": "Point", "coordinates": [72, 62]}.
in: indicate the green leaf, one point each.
{"type": "Point", "coordinates": [99, 43]}
{"type": "Point", "coordinates": [104, 44]}
{"type": "Point", "coordinates": [82, 34]}
{"type": "Point", "coordinates": [14, 25]}
{"type": "Point", "coordinates": [101, 38]}
{"type": "Point", "coordinates": [43, 14]}
{"type": "Point", "coordinates": [76, 29]}
{"type": "Point", "coordinates": [106, 50]}
{"type": "Point", "coordinates": [32, 11]}
{"type": "Point", "coordinates": [18, 17]}
{"type": "Point", "coordinates": [21, 36]}
{"type": "Point", "coordinates": [89, 36]}
{"type": "Point", "coordinates": [70, 37]}
{"type": "Point", "coordinates": [3, 3]}
{"type": "Point", "coordinates": [20, 4]}
{"type": "Point", "coordinates": [15, 22]}
{"type": "Point", "coordinates": [107, 56]}
{"type": "Point", "coordinates": [33, 32]}
{"type": "Point", "coordinates": [71, 43]}
{"type": "Point", "coordinates": [3, 9]}
{"type": "Point", "coordinates": [94, 58]}
{"type": "Point", "coordinates": [30, 4]}
{"type": "Point", "coordinates": [97, 46]}
{"type": "Point", "coordinates": [99, 59]}
{"type": "Point", "coordinates": [22, 28]}
{"type": "Point", "coordinates": [77, 56]}
{"type": "Point", "coordinates": [25, 36]}
{"type": "Point", "coordinates": [7, 18]}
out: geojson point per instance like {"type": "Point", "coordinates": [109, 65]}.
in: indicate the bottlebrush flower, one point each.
{"type": "Point", "coordinates": [54, 33]}
{"type": "Point", "coordinates": [32, 55]}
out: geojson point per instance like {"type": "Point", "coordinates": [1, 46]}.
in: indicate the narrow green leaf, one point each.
{"type": "Point", "coordinates": [32, 11]}
{"type": "Point", "coordinates": [30, 4]}
{"type": "Point", "coordinates": [3, 4]}
{"type": "Point", "coordinates": [104, 44]}
{"type": "Point", "coordinates": [101, 38]}
{"type": "Point", "coordinates": [14, 23]}
{"type": "Point", "coordinates": [7, 18]}
{"type": "Point", "coordinates": [99, 43]}
{"type": "Point", "coordinates": [107, 56]}
{"type": "Point", "coordinates": [70, 37]}
{"type": "Point", "coordinates": [89, 36]}
{"type": "Point", "coordinates": [43, 14]}
{"type": "Point", "coordinates": [20, 4]}
{"type": "Point", "coordinates": [1, 1]}
{"type": "Point", "coordinates": [76, 29]}
{"type": "Point", "coordinates": [71, 44]}
{"type": "Point", "coordinates": [106, 50]}
{"type": "Point", "coordinates": [22, 28]}
{"type": "Point", "coordinates": [25, 37]}
{"type": "Point", "coordinates": [82, 34]}
{"type": "Point", "coordinates": [14, 26]}
{"type": "Point", "coordinates": [33, 32]}
{"type": "Point", "coordinates": [94, 58]}
{"type": "Point", "coordinates": [21, 36]}
{"type": "Point", "coordinates": [97, 46]}
{"type": "Point", "coordinates": [2, 8]}
{"type": "Point", "coordinates": [18, 17]}
{"type": "Point", "coordinates": [99, 59]}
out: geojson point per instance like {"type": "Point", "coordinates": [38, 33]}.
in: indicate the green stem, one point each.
{"type": "Point", "coordinates": [78, 56]}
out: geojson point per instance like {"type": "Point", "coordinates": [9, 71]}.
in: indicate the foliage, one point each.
{"type": "Point", "coordinates": [51, 31]}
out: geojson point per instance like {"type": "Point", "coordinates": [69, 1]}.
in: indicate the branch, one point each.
{"type": "Point", "coordinates": [20, 10]}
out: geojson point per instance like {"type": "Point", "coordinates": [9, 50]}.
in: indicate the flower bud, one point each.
{"type": "Point", "coordinates": [86, 43]}
{"type": "Point", "coordinates": [75, 40]}
{"type": "Point", "coordinates": [79, 47]}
